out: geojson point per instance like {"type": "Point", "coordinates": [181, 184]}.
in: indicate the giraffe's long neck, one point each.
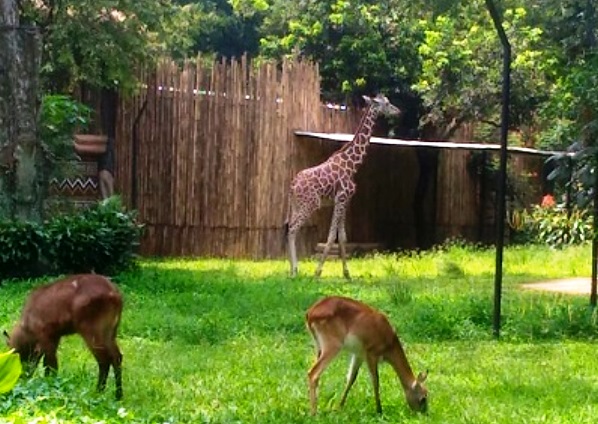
{"type": "Point", "coordinates": [354, 152]}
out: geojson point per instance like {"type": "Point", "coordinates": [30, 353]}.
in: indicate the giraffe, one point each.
{"type": "Point", "coordinates": [332, 179]}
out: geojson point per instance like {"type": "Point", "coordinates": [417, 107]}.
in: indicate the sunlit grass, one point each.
{"type": "Point", "coordinates": [224, 341]}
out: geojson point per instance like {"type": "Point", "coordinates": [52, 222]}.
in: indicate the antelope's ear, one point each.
{"type": "Point", "coordinates": [421, 377]}
{"type": "Point", "coordinates": [6, 335]}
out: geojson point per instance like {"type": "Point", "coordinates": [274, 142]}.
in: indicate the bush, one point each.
{"type": "Point", "coordinates": [552, 225]}
{"type": "Point", "coordinates": [20, 247]}
{"type": "Point", "coordinates": [102, 238]}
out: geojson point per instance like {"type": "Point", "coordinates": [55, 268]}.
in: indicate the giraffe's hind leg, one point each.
{"type": "Point", "coordinates": [300, 214]}
{"type": "Point", "coordinates": [339, 210]}
{"type": "Point", "coordinates": [342, 240]}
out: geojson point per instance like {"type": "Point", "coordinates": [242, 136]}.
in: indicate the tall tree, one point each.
{"type": "Point", "coordinates": [21, 154]}
{"type": "Point", "coordinates": [102, 42]}
{"type": "Point", "coordinates": [461, 69]}
{"type": "Point", "coordinates": [224, 28]}
{"type": "Point", "coordinates": [571, 115]}
{"type": "Point", "coordinates": [361, 46]}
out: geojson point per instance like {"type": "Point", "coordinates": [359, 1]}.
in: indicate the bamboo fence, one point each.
{"type": "Point", "coordinates": [214, 152]}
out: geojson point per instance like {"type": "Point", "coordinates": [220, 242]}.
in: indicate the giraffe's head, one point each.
{"type": "Point", "coordinates": [381, 105]}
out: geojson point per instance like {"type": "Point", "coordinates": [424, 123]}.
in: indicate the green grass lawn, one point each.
{"type": "Point", "coordinates": [223, 341]}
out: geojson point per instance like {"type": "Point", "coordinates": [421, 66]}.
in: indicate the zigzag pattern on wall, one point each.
{"type": "Point", "coordinates": [81, 186]}
{"type": "Point", "coordinates": [74, 183]}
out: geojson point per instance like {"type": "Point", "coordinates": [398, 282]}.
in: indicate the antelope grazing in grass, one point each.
{"type": "Point", "coordinates": [87, 304]}
{"type": "Point", "coordinates": [338, 323]}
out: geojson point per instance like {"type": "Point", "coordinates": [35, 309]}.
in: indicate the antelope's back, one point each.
{"type": "Point", "coordinates": [95, 295]}
{"type": "Point", "coordinates": [341, 307]}
{"type": "Point", "coordinates": [64, 302]}
{"type": "Point", "coordinates": [344, 317]}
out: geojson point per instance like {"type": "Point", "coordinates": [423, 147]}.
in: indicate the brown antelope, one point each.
{"type": "Point", "coordinates": [339, 322]}
{"type": "Point", "coordinates": [87, 304]}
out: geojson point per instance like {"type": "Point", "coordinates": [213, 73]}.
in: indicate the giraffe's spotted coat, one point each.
{"type": "Point", "coordinates": [333, 179]}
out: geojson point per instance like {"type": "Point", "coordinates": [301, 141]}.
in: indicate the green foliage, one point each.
{"type": "Point", "coordinates": [359, 45]}
{"type": "Point", "coordinates": [571, 109]}
{"type": "Point", "coordinates": [102, 238]}
{"type": "Point", "coordinates": [569, 118]}
{"type": "Point", "coordinates": [574, 172]}
{"type": "Point", "coordinates": [222, 28]}
{"type": "Point", "coordinates": [100, 42]}
{"type": "Point", "coordinates": [20, 247]}
{"type": "Point", "coordinates": [61, 117]}
{"type": "Point", "coordinates": [572, 122]}
{"type": "Point", "coordinates": [570, 27]}
{"type": "Point", "coordinates": [10, 371]}
{"type": "Point", "coordinates": [462, 73]}
{"type": "Point", "coordinates": [555, 226]}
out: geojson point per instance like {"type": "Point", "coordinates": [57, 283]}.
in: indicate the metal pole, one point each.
{"type": "Point", "coordinates": [594, 240]}
{"type": "Point", "coordinates": [569, 192]}
{"type": "Point", "coordinates": [504, 128]}
{"type": "Point", "coordinates": [483, 188]}
{"type": "Point", "coordinates": [591, 42]}
{"type": "Point", "coordinates": [134, 155]}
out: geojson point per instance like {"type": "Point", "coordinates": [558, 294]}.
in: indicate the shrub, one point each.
{"type": "Point", "coordinates": [552, 225]}
{"type": "Point", "coordinates": [102, 238]}
{"type": "Point", "coordinates": [21, 244]}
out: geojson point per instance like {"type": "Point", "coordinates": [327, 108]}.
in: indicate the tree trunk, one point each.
{"type": "Point", "coordinates": [21, 155]}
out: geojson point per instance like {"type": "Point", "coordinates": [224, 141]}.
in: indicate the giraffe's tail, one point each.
{"type": "Point", "coordinates": [287, 221]}
{"type": "Point", "coordinates": [285, 235]}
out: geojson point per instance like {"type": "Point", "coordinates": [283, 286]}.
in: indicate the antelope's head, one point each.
{"type": "Point", "coordinates": [417, 395]}
{"type": "Point", "coordinates": [26, 346]}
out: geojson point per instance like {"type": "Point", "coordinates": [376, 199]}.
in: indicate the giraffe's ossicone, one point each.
{"type": "Point", "coordinates": [332, 179]}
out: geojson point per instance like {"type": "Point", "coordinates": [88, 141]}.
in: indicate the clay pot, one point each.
{"type": "Point", "coordinates": [90, 144]}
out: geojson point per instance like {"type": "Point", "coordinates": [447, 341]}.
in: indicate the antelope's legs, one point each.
{"type": "Point", "coordinates": [373, 367]}
{"type": "Point", "coordinates": [327, 354]}
{"type": "Point", "coordinates": [351, 376]}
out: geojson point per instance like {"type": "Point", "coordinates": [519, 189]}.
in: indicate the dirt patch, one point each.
{"type": "Point", "coordinates": [581, 285]}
